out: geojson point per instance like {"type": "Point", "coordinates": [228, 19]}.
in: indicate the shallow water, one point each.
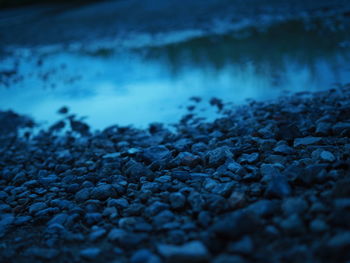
{"type": "Point", "coordinates": [140, 82]}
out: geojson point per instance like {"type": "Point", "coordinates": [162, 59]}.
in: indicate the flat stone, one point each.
{"type": "Point", "coordinates": [283, 149]}
{"type": "Point", "coordinates": [34, 208]}
{"type": "Point", "coordinates": [111, 155]}
{"type": "Point", "coordinates": [42, 253]}
{"type": "Point", "coordinates": [306, 141]}
{"type": "Point", "coordinates": [341, 128]}
{"type": "Point", "coordinates": [144, 256]}
{"type": "Point", "coordinates": [90, 253]}
{"type": "Point", "coordinates": [97, 234]}
{"type": "Point", "coordinates": [193, 251]}
{"type": "Point", "coordinates": [249, 158]}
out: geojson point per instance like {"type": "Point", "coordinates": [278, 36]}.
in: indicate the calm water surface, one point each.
{"type": "Point", "coordinates": [151, 78]}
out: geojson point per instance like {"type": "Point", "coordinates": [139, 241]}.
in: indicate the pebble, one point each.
{"type": "Point", "coordinates": [193, 251]}
{"type": "Point", "coordinates": [90, 253]}
{"type": "Point", "coordinates": [294, 205]}
{"type": "Point", "coordinates": [144, 256]}
{"type": "Point", "coordinates": [278, 187]}
{"type": "Point", "coordinates": [36, 207]}
{"type": "Point", "coordinates": [102, 192]}
{"type": "Point", "coordinates": [218, 156]}
{"type": "Point", "coordinates": [243, 246]}
{"type": "Point", "coordinates": [306, 141]}
{"type": "Point", "coordinates": [318, 226]}
{"type": "Point", "coordinates": [177, 200]}
{"type": "Point", "coordinates": [327, 156]}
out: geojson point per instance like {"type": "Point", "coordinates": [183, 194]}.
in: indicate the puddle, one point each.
{"type": "Point", "coordinates": [140, 84]}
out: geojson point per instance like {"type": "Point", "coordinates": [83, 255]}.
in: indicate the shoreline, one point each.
{"type": "Point", "coordinates": [267, 182]}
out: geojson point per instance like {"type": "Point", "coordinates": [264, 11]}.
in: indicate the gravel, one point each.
{"type": "Point", "coordinates": [263, 183]}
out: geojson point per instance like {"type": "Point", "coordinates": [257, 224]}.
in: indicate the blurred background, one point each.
{"type": "Point", "coordinates": [133, 62]}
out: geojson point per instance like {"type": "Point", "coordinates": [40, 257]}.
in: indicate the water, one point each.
{"type": "Point", "coordinates": [149, 79]}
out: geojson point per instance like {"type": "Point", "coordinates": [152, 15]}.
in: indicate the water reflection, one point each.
{"type": "Point", "coordinates": [143, 85]}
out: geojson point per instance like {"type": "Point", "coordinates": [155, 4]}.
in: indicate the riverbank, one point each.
{"type": "Point", "coordinates": [267, 182]}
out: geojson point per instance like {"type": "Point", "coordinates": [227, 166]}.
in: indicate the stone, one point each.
{"type": "Point", "coordinates": [193, 251]}
{"type": "Point", "coordinates": [42, 253]}
{"type": "Point", "coordinates": [341, 129]}
{"type": "Point", "coordinates": [120, 203]}
{"type": "Point", "coordinates": [144, 256]}
{"type": "Point", "coordinates": [22, 220]}
{"type": "Point", "coordinates": [294, 205]}
{"type": "Point", "coordinates": [293, 225]}
{"type": "Point", "coordinates": [177, 200]}
{"type": "Point", "coordinates": [268, 171]}
{"type": "Point", "coordinates": [60, 218]}
{"type": "Point", "coordinates": [318, 226]}
{"type": "Point", "coordinates": [341, 188]}
{"type": "Point", "coordinates": [236, 224]}
{"type": "Point", "coordinates": [287, 132]}
{"type": "Point", "coordinates": [229, 258]}
{"type": "Point", "coordinates": [237, 199]}
{"type": "Point", "coordinates": [278, 187]}
{"type": "Point", "coordinates": [327, 156]}
{"type": "Point", "coordinates": [97, 234]}
{"type": "Point", "coordinates": [301, 142]}
{"type": "Point", "coordinates": [111, 155]}
{"type": "Point", "coordinates": [102, 192]}
{"type": "Point", "coordinates": [249, 158]}
{"type": "Point", "coordinates": [135, 170]}
{"type": "Point", "coordinates": [93, 218]}
{"type": "Point", "coordinates": [234, 166]}
{"type": "Point", "coordinates": [6, 221]}
{"type": "Point", "coordinates": [163, 217]}
{"type": "Point", "coordinates": [82, 195]}
{"type": "Point", "coordinates": [155, 208]}
{"type": "Point", "coordinates": [340, 241]}
{"type": "Point", "coordinates": [186, 159]}
{"type": "Point", "coordinates": [156, 153]}
{"type": "Point", "coordinates": [243, 246]}
{"type": "Point", "coordinates": [36, 207]}
{"type": "Point", "coordinates": [196, 201]}
{"type": "Point", "coordinates": [216, 203]}
{"type": "Point", "coordinates": [283, 149]}
{"type": "Point", "coordinates": [323, 128]}
{"type": "Point", "coordinates": [204, 218]}
{"type": "Point", "coordinates": [264, 208]}
{"type": "Point", "coordinates": [218, 156]}
{"type": "Point", "coordinates": [116, 234]}
{"type": "Point", "coordinates": [90, 253]}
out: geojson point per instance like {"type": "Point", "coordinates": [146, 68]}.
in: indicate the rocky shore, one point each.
{"type": "Point", "coordinates": [268, 182]}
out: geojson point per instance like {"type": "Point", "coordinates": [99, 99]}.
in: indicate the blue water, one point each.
{"type": "Point", "coordinates": [150, 78]}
